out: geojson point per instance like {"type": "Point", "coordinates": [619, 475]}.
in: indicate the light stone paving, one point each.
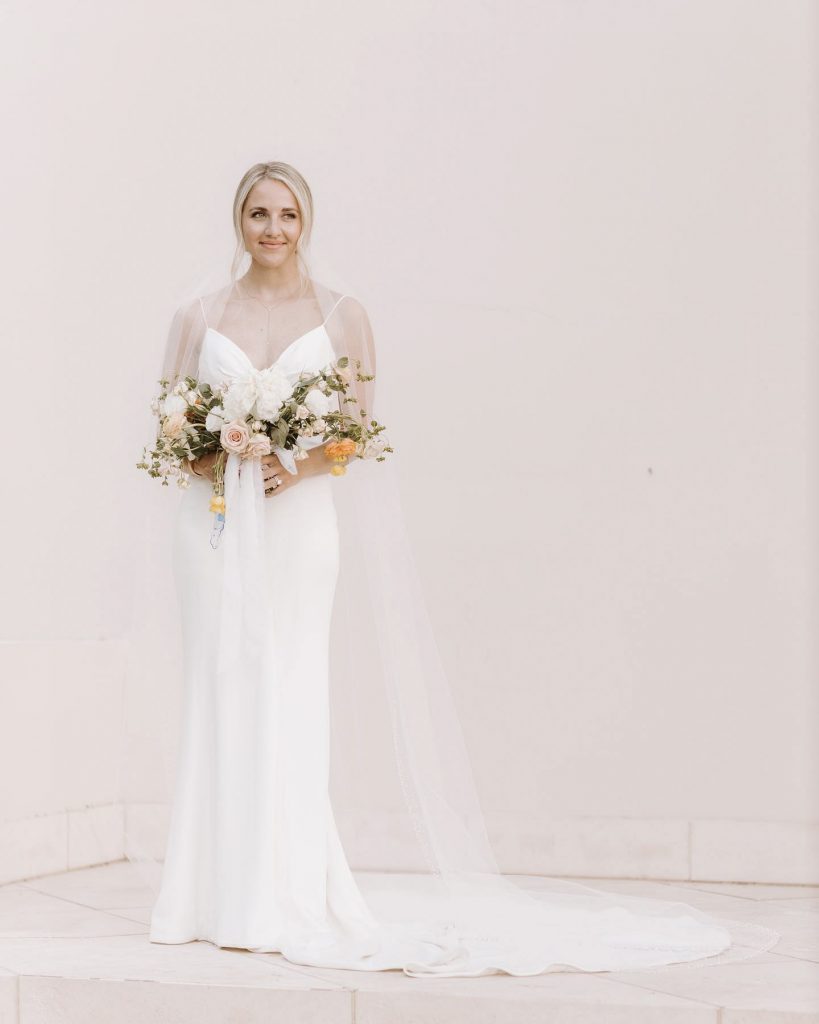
{"type": "Point", "coordinates": [74, 948]}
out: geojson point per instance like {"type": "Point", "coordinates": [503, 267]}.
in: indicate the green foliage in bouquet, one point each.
{"type": "Point", "coordinates": [183, 434]}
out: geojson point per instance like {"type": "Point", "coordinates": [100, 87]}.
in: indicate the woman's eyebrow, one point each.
{"type": "Point", "coordinates": [285, 209]}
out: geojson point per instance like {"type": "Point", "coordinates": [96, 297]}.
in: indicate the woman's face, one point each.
{"type": "Point", "coordinates": [271, 223]}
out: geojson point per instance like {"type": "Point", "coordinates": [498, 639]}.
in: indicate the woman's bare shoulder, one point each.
{"type": "Point", "coordinates": [196, 309]}
{"type": "Point", "coordinates": [351, 309]}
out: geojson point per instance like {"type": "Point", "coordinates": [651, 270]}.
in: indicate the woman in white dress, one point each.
{"type": "Point", "coordinates": [254, 859]}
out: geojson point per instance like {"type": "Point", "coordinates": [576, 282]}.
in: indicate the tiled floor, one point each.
{"type": "Point", "coordinates": [98, 966]}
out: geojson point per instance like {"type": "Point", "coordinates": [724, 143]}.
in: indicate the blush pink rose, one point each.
{"type": "Point", "coordinates": [258, 445]}
{"type": "Point", "coordinates": [234, 437]}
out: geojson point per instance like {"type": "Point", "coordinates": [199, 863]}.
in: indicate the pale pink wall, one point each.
{"type": "Point", "coordinates": [600, 216]}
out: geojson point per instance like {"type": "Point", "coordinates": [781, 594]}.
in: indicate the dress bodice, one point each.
{"type": "Point", "coordinates": [221, 359]}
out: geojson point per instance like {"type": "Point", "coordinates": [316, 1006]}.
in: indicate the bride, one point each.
{"type": "Point", "coordinates": [303, 620]}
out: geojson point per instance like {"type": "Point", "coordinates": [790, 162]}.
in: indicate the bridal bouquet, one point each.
{"type": "Point", "coordinates": [254, 415]}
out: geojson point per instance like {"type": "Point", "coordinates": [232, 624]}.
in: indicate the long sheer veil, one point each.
{"type": "Point", "coordinates": [402, 785]}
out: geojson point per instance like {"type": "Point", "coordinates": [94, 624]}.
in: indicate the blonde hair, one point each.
{"type": "Point", "coordinates": [289, 176]}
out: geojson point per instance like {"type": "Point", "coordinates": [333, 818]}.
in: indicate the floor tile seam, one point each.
{"type": "Point", "coordinates": [301, 971]}
{"type": "Point", "coordinates": [705, 1003]}
{"type": "Point", "coordinates": [65, 899]}
{"type": "Point", "coordinates": [698, 1002]}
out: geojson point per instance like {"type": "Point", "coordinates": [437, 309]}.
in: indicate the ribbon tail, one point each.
{"type": "Point", "coordinates": [242, 627]}
{"type": "Point", "coordinates": [286, 458]}
{"type": "Point", "coordinates": [310, 442]}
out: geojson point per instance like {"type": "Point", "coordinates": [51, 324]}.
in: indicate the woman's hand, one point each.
{"type": "Point", "coordinates": [271, 470]}
{"type": "Point", "coordinates": [203, 466]}
{"type": "Point", "coordinates": [315, 464]}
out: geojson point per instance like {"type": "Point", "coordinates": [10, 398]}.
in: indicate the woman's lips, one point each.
{"type": "Point", "coordinates": [272, 245]}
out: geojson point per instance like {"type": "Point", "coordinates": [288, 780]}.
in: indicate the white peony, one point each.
{"type": "Point", "coordinates": [173, 403]}
{"type": "Point", "coordinates": [273, 388]}
{"type": "Point", "coordinates": [317, 403]}
{"type": "Point", "coordinates": [215, 419]}
{"type": "Point", "coordinates": [241, 396]}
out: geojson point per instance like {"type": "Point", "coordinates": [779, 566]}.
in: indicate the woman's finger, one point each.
{"type": "Point", "coordinates": [271, 487]}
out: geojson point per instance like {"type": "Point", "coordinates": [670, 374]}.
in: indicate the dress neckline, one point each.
{"type": "Point", "coordinates": [279, 357]}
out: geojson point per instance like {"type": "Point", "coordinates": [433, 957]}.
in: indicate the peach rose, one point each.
{"type": "Point", "coordinates": [173, 426]}
{"type": "Point", "coordinates": [234, 437]}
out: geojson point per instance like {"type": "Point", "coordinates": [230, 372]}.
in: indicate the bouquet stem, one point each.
{"type": "Point", "coordinates": [217, 501]}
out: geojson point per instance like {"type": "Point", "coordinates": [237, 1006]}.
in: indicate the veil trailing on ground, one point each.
{"type": "Point", "coordinates": [402, 785]}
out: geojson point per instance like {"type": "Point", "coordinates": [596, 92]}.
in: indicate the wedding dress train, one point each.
{"type": "Point", "coordinates": [253, 857]}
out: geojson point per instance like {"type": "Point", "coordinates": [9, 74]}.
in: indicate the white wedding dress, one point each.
{"type": "Point", "coordinates": [253, 857]}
